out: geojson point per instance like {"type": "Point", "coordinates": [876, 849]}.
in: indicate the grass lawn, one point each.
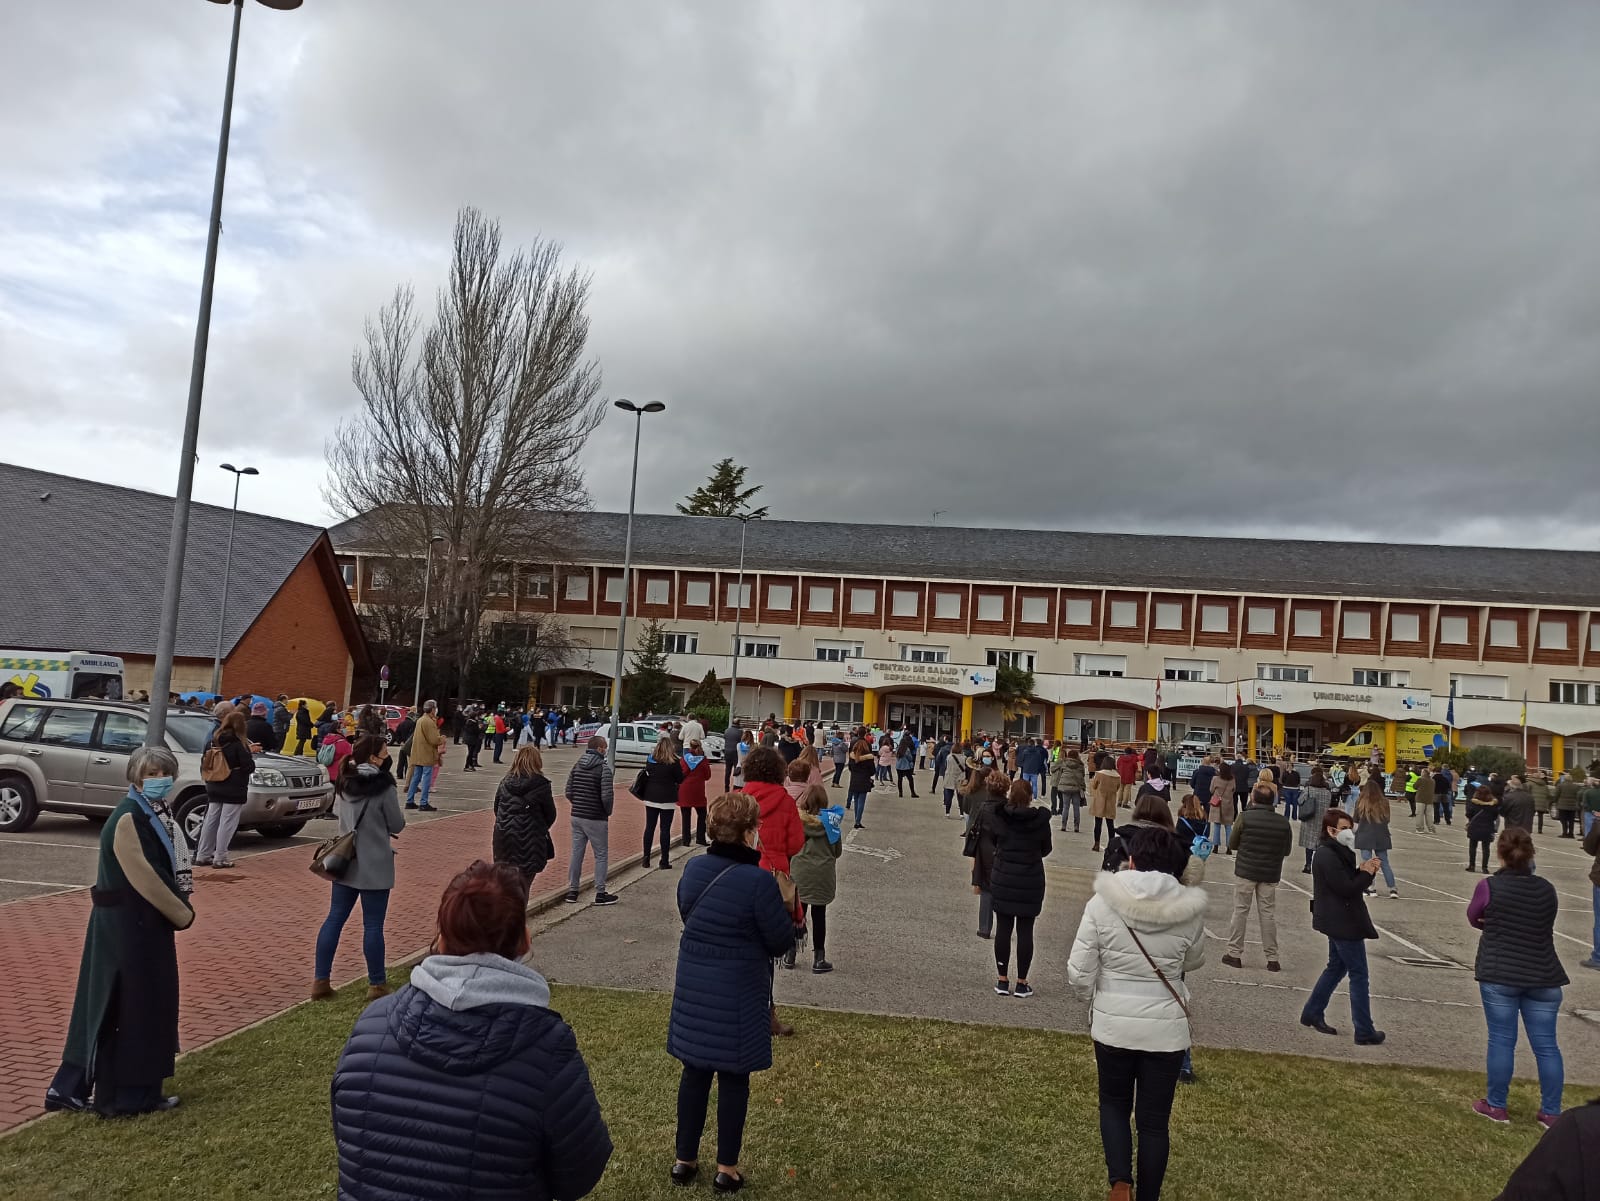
{"type": "Point", "coordinates": [856, 1106]}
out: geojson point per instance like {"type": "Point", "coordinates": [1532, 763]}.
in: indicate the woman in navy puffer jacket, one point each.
{"type": "Point", "coordinates": [734, 925]}
{"type": "Point", "coordinates": [466, 1083]}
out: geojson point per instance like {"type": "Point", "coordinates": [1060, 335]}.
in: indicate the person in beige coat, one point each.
{"type": "Point", "coordinates": [1103, 788]}
{"type": "Point", "coordinates": [1222, 807]}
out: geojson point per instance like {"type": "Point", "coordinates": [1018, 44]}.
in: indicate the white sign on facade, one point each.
{"type": "Point", "coordinates": [950, 677]}
{"type": "Point", "coordinates": [1398, 704]}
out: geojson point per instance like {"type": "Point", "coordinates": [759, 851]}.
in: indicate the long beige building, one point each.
{"type": "Point", "coordinates": [1127, 635]}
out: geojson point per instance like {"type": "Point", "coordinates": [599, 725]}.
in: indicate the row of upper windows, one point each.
{"type": "Point", "coordinates": [1260, 620]}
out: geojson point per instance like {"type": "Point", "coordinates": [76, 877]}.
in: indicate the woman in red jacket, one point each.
{"type": "Point", "coordinates": [692, 792]}
{"type": "Point", "coordinates": [781, 834]}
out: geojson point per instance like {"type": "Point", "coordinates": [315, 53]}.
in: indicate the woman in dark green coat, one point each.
{"type": "Point", "coordinates": [123, 1038]}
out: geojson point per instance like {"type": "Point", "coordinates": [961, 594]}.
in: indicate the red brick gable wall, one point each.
{"type": "Point", "coordinates": [296, 646]}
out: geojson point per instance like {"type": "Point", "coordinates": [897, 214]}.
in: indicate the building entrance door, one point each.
{"type": "Point", "coordinates": [926, 721]}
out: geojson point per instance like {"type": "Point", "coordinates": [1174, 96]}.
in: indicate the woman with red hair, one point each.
{"type": "Point", "coordinates": [466, 1082]}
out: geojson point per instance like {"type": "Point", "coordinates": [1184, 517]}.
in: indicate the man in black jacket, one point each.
{"type": "Point", "coordinates": [590, 794]}
{"type": "Point", "coordinates": [1339, 913]}
{"type": "Point", "coordinates": [280, 719]}
{"type": "Point", "coordinates": [259, 730]}
{"type": "Point", "coordinates": [1261, 838]}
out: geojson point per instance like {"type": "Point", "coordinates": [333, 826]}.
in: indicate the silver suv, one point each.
{"type": "Point", "coordinates": [71, 756]}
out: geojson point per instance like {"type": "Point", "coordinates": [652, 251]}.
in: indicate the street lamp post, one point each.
{"type": "Point", "coordinates": [744, 520]}
{"type": "Point", "coordinates": [638, 411]}
{"type": "Point", "coordinates": [227, 568]}
{"type": "Point", "coordinates": [422, 636]}
{"type": "Point", "coordinates": [172, 593]}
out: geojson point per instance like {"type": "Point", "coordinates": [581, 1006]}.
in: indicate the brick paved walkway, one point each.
{"type": "Point", "coordinates": [249, 953]}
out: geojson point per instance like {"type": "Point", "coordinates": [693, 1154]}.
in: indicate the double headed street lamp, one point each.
{"type": "Point", "coordinates": [638, 411]}
{"type": "Point", "coordinates": [422, 636]}
{"type": "Point", "coordinates": [227, 567]}
{"type": "Point", "coordinates": [167, 640]}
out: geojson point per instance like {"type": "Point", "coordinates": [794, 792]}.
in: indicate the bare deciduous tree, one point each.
{"type": "Point", "coordinates": [471, 424]}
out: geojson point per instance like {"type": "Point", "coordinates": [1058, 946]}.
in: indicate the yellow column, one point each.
{"type": "Point", "coordinates": [1152, 725]}
{"type": "Point", "coordinates": [788, 704]}
{"type": "Point", "coordinates": [1455, 738]}
{"type": "Point", "coordinates": [869, 707]}
{"type": "Point", "coordinates": [1250, 732]}
{"type": "Point", "coordinates": [966, 717]}
{"type": "Point", "coordinates": [1061, 723]}
{"type": "Point", "coordinates": [1391, 733]}
{"type": "Point", "coordinates": [1558, 751]}
{"type": "Point", "coordinates": [1278, 736]}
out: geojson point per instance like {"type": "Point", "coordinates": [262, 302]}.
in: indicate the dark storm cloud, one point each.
{"type": "Point", "coordinates": [1265, 268]}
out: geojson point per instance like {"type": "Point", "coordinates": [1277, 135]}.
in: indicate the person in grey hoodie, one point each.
{"type": "Point", "coordinates": [590, 793]}
{"type": "Point", "coordinates": [466, 1082]}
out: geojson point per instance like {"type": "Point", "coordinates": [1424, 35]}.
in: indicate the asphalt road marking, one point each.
{"type": "Point", "coordinates": [1404, 942]}
{"type": "Point", "coordinates": [45, 884]}
{"type": "Point", "coordinates": [24, 841]}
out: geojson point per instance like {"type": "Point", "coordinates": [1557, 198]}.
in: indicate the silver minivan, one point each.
{"type": "Point", "coordinates": [71, 756]}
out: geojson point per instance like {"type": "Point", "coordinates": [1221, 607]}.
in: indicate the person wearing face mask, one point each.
{"type": "Point", "coordinates": [366, 801]}
{"type": "Point", "coordinates": [735, 924]}
{"type": "Point", "coordinates": [976, 790]}
{"type": "Point", "coordinates": [1339, 913]}
{"type": "Point", "coordinates": [122, 1042]}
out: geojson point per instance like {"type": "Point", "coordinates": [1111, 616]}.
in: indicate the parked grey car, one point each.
{"type": "Point", "coordinates": [71, 756]}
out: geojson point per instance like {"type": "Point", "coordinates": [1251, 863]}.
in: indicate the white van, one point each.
{"type": "Point", "coordinates": [63, 675]}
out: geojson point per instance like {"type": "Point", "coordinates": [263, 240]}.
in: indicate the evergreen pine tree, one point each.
{"type": "Point", "coordinates": [647, 688]}
{"type": "Point", "coordinates": [723, 495]}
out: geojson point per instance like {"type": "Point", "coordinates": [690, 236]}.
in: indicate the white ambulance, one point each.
{"type": "Point", "coordinates": [52, 675]}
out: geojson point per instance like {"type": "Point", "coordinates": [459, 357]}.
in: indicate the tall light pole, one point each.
{"type": "Point", "coordinates": [167, 640]}
{"type": "Point", "coordinates": [638, 411]}
{"type": "Point", "coordinates": [227, 568]}
{"type": "Point", "coordinates": [422, 636]}
{"type": "Point", "coordinates": [744, 520]}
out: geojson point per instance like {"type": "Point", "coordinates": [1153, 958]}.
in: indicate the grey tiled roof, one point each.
{"type": "Point", "coordinates": [84, 570]}
{"type": "Point", "coordinates": [1484, 575]}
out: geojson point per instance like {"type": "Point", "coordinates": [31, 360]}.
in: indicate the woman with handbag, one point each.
{"type": "Point", "coordinates": [367, 805]}
{"type": "Point", "coordinates": [735, 924]}
{"type": "Point", "coordinates": [225, 797]}
{"type": "Point", "coordinates": [1316, 798]}
{"type": "Point", "coordinates": [1141, 932]}
{"type": "Point", "coordinates": [524, 811]}
{"type": "Point", "coordinates": [1223, 801]}
{"type": "Point", "coordinates": [657, 786]}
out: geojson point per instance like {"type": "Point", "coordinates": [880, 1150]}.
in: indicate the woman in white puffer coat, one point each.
{"type": "Point", "coordinates": [1140, 933]}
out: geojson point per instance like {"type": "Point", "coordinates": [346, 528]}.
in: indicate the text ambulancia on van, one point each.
{"type": "Point", "coordinates": [62, 675]}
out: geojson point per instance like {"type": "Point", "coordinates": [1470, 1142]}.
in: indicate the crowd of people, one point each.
{"type": "Point", "coordinates": [475, 1013]}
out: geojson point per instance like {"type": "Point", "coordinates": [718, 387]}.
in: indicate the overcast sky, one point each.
{"type": "Point", "coordinates": [1275, 268]}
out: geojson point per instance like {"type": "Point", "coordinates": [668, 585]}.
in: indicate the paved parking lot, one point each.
{"type": "Point", "coordinates": [58, 853]}
{"type": "Point", "coordinates": [902, 936]}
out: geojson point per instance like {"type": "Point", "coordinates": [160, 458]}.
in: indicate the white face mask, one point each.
{"type": "Point", "coordinates": [1346, 838]}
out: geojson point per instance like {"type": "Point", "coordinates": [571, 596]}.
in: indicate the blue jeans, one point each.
{"type": "Point", "coordinates": [1036, 779]}
{"type": "Point", "coordinates": [1383, 860]}
{"type": "Point", "coordinates": [1345, 958]}
{"type": "Point", "coordinates": [1538, 1007]}
{"type": "Point", "coordinates": [423, 776]}
{"type": "Point", "coordinates": [859, 801]}
{"type": "Point", "coordinates": [1291, 803]}
{"type": "Point", "coordinates": [374, 907]}
{"type": "Point", "coordinates": [1219, 835]}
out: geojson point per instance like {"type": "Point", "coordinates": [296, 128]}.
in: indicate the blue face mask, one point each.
{"type": "Point", "coordinates": [156, 787]}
